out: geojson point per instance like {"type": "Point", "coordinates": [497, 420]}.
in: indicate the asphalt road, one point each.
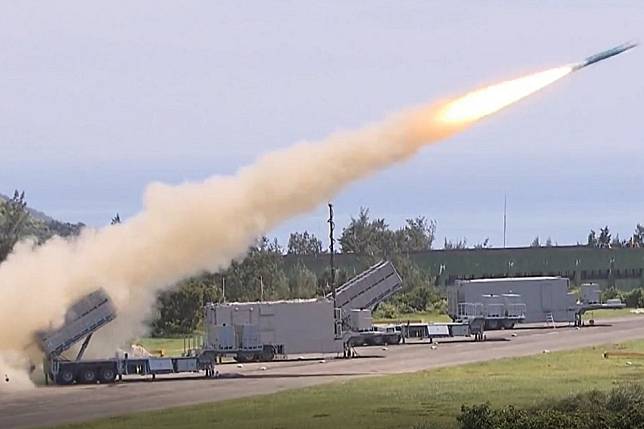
{"type": "Point", "coordinates": [54, 405]}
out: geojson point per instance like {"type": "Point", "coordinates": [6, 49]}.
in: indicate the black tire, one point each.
{"type": "Point", "coordinates": [268, 354]}
{"type": "Point", "coordinates": [107, 375]}
{"type": "Point", "coordinates": [87, 375]}
{"type": "Point", "coordinates": [392, 339]}
{"type": "Point", "coordinates": [241, 358]}
{"type": "Point", "coordinates": [508, 324]}
{"type": "Point", "coordinates": [65, 376]}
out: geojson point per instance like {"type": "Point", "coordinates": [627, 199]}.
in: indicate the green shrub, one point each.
{"type": "Point", "coordinates": [634, 298]}
{"type": "Point", "coordinates": [621, 408]}
{"type": "Point", "coordinates": [386, 310]}
{"type": "Point", "coordinates": [612, 293]}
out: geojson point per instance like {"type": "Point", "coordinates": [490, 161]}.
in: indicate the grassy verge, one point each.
{"type": "Point", "coordinates": [170, 346]}
{"type": "Point", "coordinates": [422, 317]}
{"type": "Point", "coordinates": [437, 317]}
{"type": "Point", "coordinates": [609, 314]}
{"type": "Point", "coordinates": [401, 401]}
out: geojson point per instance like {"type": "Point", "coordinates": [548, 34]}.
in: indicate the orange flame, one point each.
{"type": "Point", "coordinates": [485, 101]}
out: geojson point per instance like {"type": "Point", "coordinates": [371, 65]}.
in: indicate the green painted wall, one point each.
{"type": "Point", "coordinates": [623, 267]}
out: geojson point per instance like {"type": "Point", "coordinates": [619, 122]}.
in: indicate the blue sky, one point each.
{"type": "Point", "coordinates": [101, 98]}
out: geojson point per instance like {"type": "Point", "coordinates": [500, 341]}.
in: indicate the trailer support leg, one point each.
{"type": "Point", "coordinates": [81, 352]}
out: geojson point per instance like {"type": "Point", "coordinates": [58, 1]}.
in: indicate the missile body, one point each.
{"type": "Point", "coordinates": [605, 54]}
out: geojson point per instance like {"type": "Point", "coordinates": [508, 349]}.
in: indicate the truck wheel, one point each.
{"type": "Point", "coordinates": [268, 354]}
{"type": "Point", "coordinates": [65, 376]}
{"type": "Point", "coordinates": [241, 358]}
{"type": "Point", "coordinates": [107, 375]}
{"type": "Point", "coordinates": [87, 376]}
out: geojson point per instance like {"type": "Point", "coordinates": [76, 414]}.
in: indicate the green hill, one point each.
{"type": "Point", "coordinates": [39, 225]}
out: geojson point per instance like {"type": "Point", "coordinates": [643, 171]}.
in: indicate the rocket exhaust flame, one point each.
{"type": "Point", "coordinates": [186, 229]}
{"type": "Point", "coordinates": [485, 101]}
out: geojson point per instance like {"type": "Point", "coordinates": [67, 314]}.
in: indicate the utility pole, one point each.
{"type": "Point", "coordinates": [505, 217]}
{"type": "Point", "coordinates": [332, 251]}
{"type": "Point", "coordinates": [337, 317]}
{"type": "Point", "coordinates": [223, 288]}
{"type": "Point", "coordinates": [261, 288]}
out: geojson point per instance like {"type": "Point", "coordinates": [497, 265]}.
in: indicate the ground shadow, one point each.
{"type": "Point", "coordinates": [272, 376]}
{"type": "Point", "coordinates": [451, 340]}
{"type": "Point", "coordinates": [551, 328]}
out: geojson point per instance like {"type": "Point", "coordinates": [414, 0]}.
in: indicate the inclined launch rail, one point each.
{"type": "Point", "coordinates": [369, 288]}
{"type": "Point", "coordinates": [82, 319]}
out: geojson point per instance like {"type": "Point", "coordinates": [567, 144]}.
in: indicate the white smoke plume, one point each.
{"type": "Point", "coordinates": [186, 229]}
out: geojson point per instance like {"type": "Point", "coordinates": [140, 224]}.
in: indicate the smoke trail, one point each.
{"type": "Point", "coordinates": [186, 229]}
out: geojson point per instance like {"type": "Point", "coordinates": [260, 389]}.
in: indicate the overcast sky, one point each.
{"type": "Point", "coordinates": [100, 98]}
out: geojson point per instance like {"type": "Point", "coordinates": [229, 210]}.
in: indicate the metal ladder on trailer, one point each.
{"type": "Point", "coordinates": [550, 320]}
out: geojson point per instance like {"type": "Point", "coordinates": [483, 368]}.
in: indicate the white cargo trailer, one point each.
{"type": "Point", "coordinates": [545, 298]}
{"type": "Point", "coordinates": [261, 330]}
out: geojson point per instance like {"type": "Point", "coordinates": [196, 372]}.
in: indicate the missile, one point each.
{"type": "Point", "coordinates": [604, 55]}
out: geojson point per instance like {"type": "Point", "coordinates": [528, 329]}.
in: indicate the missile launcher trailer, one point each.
{"type": "Point", "coordinates": [83, 318]}
{"type": "Point", "coordinates": [359, 296]}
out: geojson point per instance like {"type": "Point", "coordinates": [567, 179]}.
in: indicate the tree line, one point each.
{"type": "Point", "coordinates": [604, 239]}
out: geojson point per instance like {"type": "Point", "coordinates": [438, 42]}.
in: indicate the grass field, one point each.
{"type": "Point", "coordinates": [608, 314]}
{"type": "Point", "coordinates": [423, 317]}
{"type": "Point", "coordinates": [170, 346]}
{"type": "Point", "coordinates": [401, 401]}
{"type": "Point", "coordinates": [437, 317]}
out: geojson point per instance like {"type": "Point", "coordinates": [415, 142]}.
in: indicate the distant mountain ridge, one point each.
{"type": "Point", "coordinates": [42, 226]}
